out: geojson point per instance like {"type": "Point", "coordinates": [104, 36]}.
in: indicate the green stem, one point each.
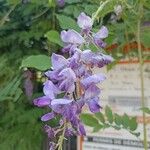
{"type": "Point", "coordinates": [102, 5]}
{"type": "Point", "coordinates": [61, 139]}
{"type": "Point", "coordinates": [4, 19]}
{"type": "Point", "coordinates": [141, 76]}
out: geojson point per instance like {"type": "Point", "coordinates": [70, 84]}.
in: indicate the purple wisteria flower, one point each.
{"type": "Point", "coordinates": [72, 37]}
{"type": "Point", "coordinates": [85, 22]}
{"type": "Point", "coordinates": [100, 35]}
{"type": "Point", "coordinates": [71, 83]}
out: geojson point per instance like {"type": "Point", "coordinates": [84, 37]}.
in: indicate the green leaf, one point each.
{"type": "Point", "coordinates": [54, 37]}
{"type": "Point", "coordinates": [125, 121]}
{"type": "Point", "coordinates": [72, 1]}
{"type": "Point", "coordinates": [40, 62]}
{"type": "Point", "coordinates": [13, 1]}
{"type": "Point", "coordinates": [145, 36]}
{"type": "Point", "coordinates": [52, 3]}
{"type": "Point", "coordinates": [89, 120]}
{"type": "Point", "coordinates": [98, 127]}
{"type": "Point", "coordinates": [90, 9]}
{"type": "Point", "coordinates": [109, 114]}
{"type": "Point", "coordinates": [117, 119]}
{"type": "Point", "coordinates": [146, 110]}
{"type": "Point", "coordinates": [100, 117]}
{"type": "Point", "coordinates": [133, 124]}
{"type": "Point", "coordinates": [107, 8]}
{"type": "Point", "coordinates": [66, 22]}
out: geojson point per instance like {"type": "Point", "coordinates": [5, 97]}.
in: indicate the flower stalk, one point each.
{"type": "Point", "coordinates": [62, 137]}
{"type": "Point", "coordinates": [102, 5]}
{"type": "Point", "coordinates": [141, 62]}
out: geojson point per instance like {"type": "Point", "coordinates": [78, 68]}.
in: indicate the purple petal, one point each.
{"type": "Point", "coordinates": [91, 92]}
{"type": "Point", "coordinates": [86, 56]}
{"type": "Point", "coordinates": [48, 116]}
{"type": "Point", "coordinates": [58, 61]}
{"type": "Point", "coordinates": [68, 79]}
{"type": "Point", "coordinates": [42, 101]}
{"type": "Point", "coordinates": [52, 146]}
{"type": "Point", "coordinates": [68, 73]}
{"type": "Point", "coordinates": [102, 33]}
{"type": "Point", "coordinates": [84, 21]}
{"type": "Point", "coordinates": [101, 60]}
{"type": "Point", "coordinates": [58, 108]}
{"type": "Point", "coordinates": [69, 132]}
{"type": "Point", "coordinates": [69, 48]}
{"type": "Point", "coordinates": [93, 105]}
{"type": "Point", "coordinates": [71, 37]}
{"type": "Point", "coordinates": [82, 130]}
{"type": "Point", "coordinates": [50, 89]}
{"type": "Point", "coordinates": [49, 131]}
{"type": "Point", "coordinates": [96, 78]}
{"type": "Point", "coordinates": [60, 101]}
{"type": "Point", "coordinates": [80, 103]}
{"type": "Point", "coordinates": [74, 61]}
{"type": "Point", "coordinates": [100, 43]}
{"type": "Point", "coordinates": [67, 85]}
{"type": "Point", "coordinates": [107, 59]}
{"type": "Point", "coordinates": [53, 75]}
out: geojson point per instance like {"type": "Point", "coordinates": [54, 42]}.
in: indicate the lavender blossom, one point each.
{"type": "Point", "coordinates": [84, 22]}
{"type": "Point", "coordinates": [73, 79]}
{"type": "Point", "coordinates": [72, 37]}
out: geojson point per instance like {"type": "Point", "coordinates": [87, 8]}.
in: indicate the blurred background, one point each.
{"type": "Point", "coordinates": [29, 34]}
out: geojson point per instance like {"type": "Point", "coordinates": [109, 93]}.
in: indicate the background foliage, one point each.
{"type": "Point", "coordinates": [29, 33]}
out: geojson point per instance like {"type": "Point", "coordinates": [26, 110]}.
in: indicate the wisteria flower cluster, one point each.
{"type": "Point", "coordinates": [73, 79]}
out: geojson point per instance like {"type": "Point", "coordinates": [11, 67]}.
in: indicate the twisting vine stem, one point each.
{"type": "Point", "coordinates": [4, 19]}
{"type": "Point", "coordinates": [141, 74]}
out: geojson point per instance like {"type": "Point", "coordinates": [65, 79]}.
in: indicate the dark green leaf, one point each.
{"type": "Point", "coordinates": [109, 114]}
{"type": "Point", "coordinates": [133, 124]}
{"type": "Point", "coordinates": [100, 117]}
{"type": "Point", "coordinates": [145, 38]}
{"type": "Point", "coordinates": [89, 120]}
{"type": "Point", "coordinates": [54, 37]}
{"type": "Point", "coordinates": [97, 128]}
{"type": "Point", "coordinates": [40, 62]}
{"type": "Point", "coordinates": [125, 121]}
{"type": "Point", "coordinates": [72, 1]}
{"type": "Point", "coordinates": [66, 22]}
{"type": "Point", "coordinates": [117, 119]}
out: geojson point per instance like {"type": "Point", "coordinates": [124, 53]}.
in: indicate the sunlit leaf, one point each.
{"type": "Point", "coordinates": [89, 120]}
{"type": "Point", "coordinates": [40, 62]}
{"type": "Point", "coordinates": [109, 114]}
{"type": "Point", "coordinates": [54, 37]}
